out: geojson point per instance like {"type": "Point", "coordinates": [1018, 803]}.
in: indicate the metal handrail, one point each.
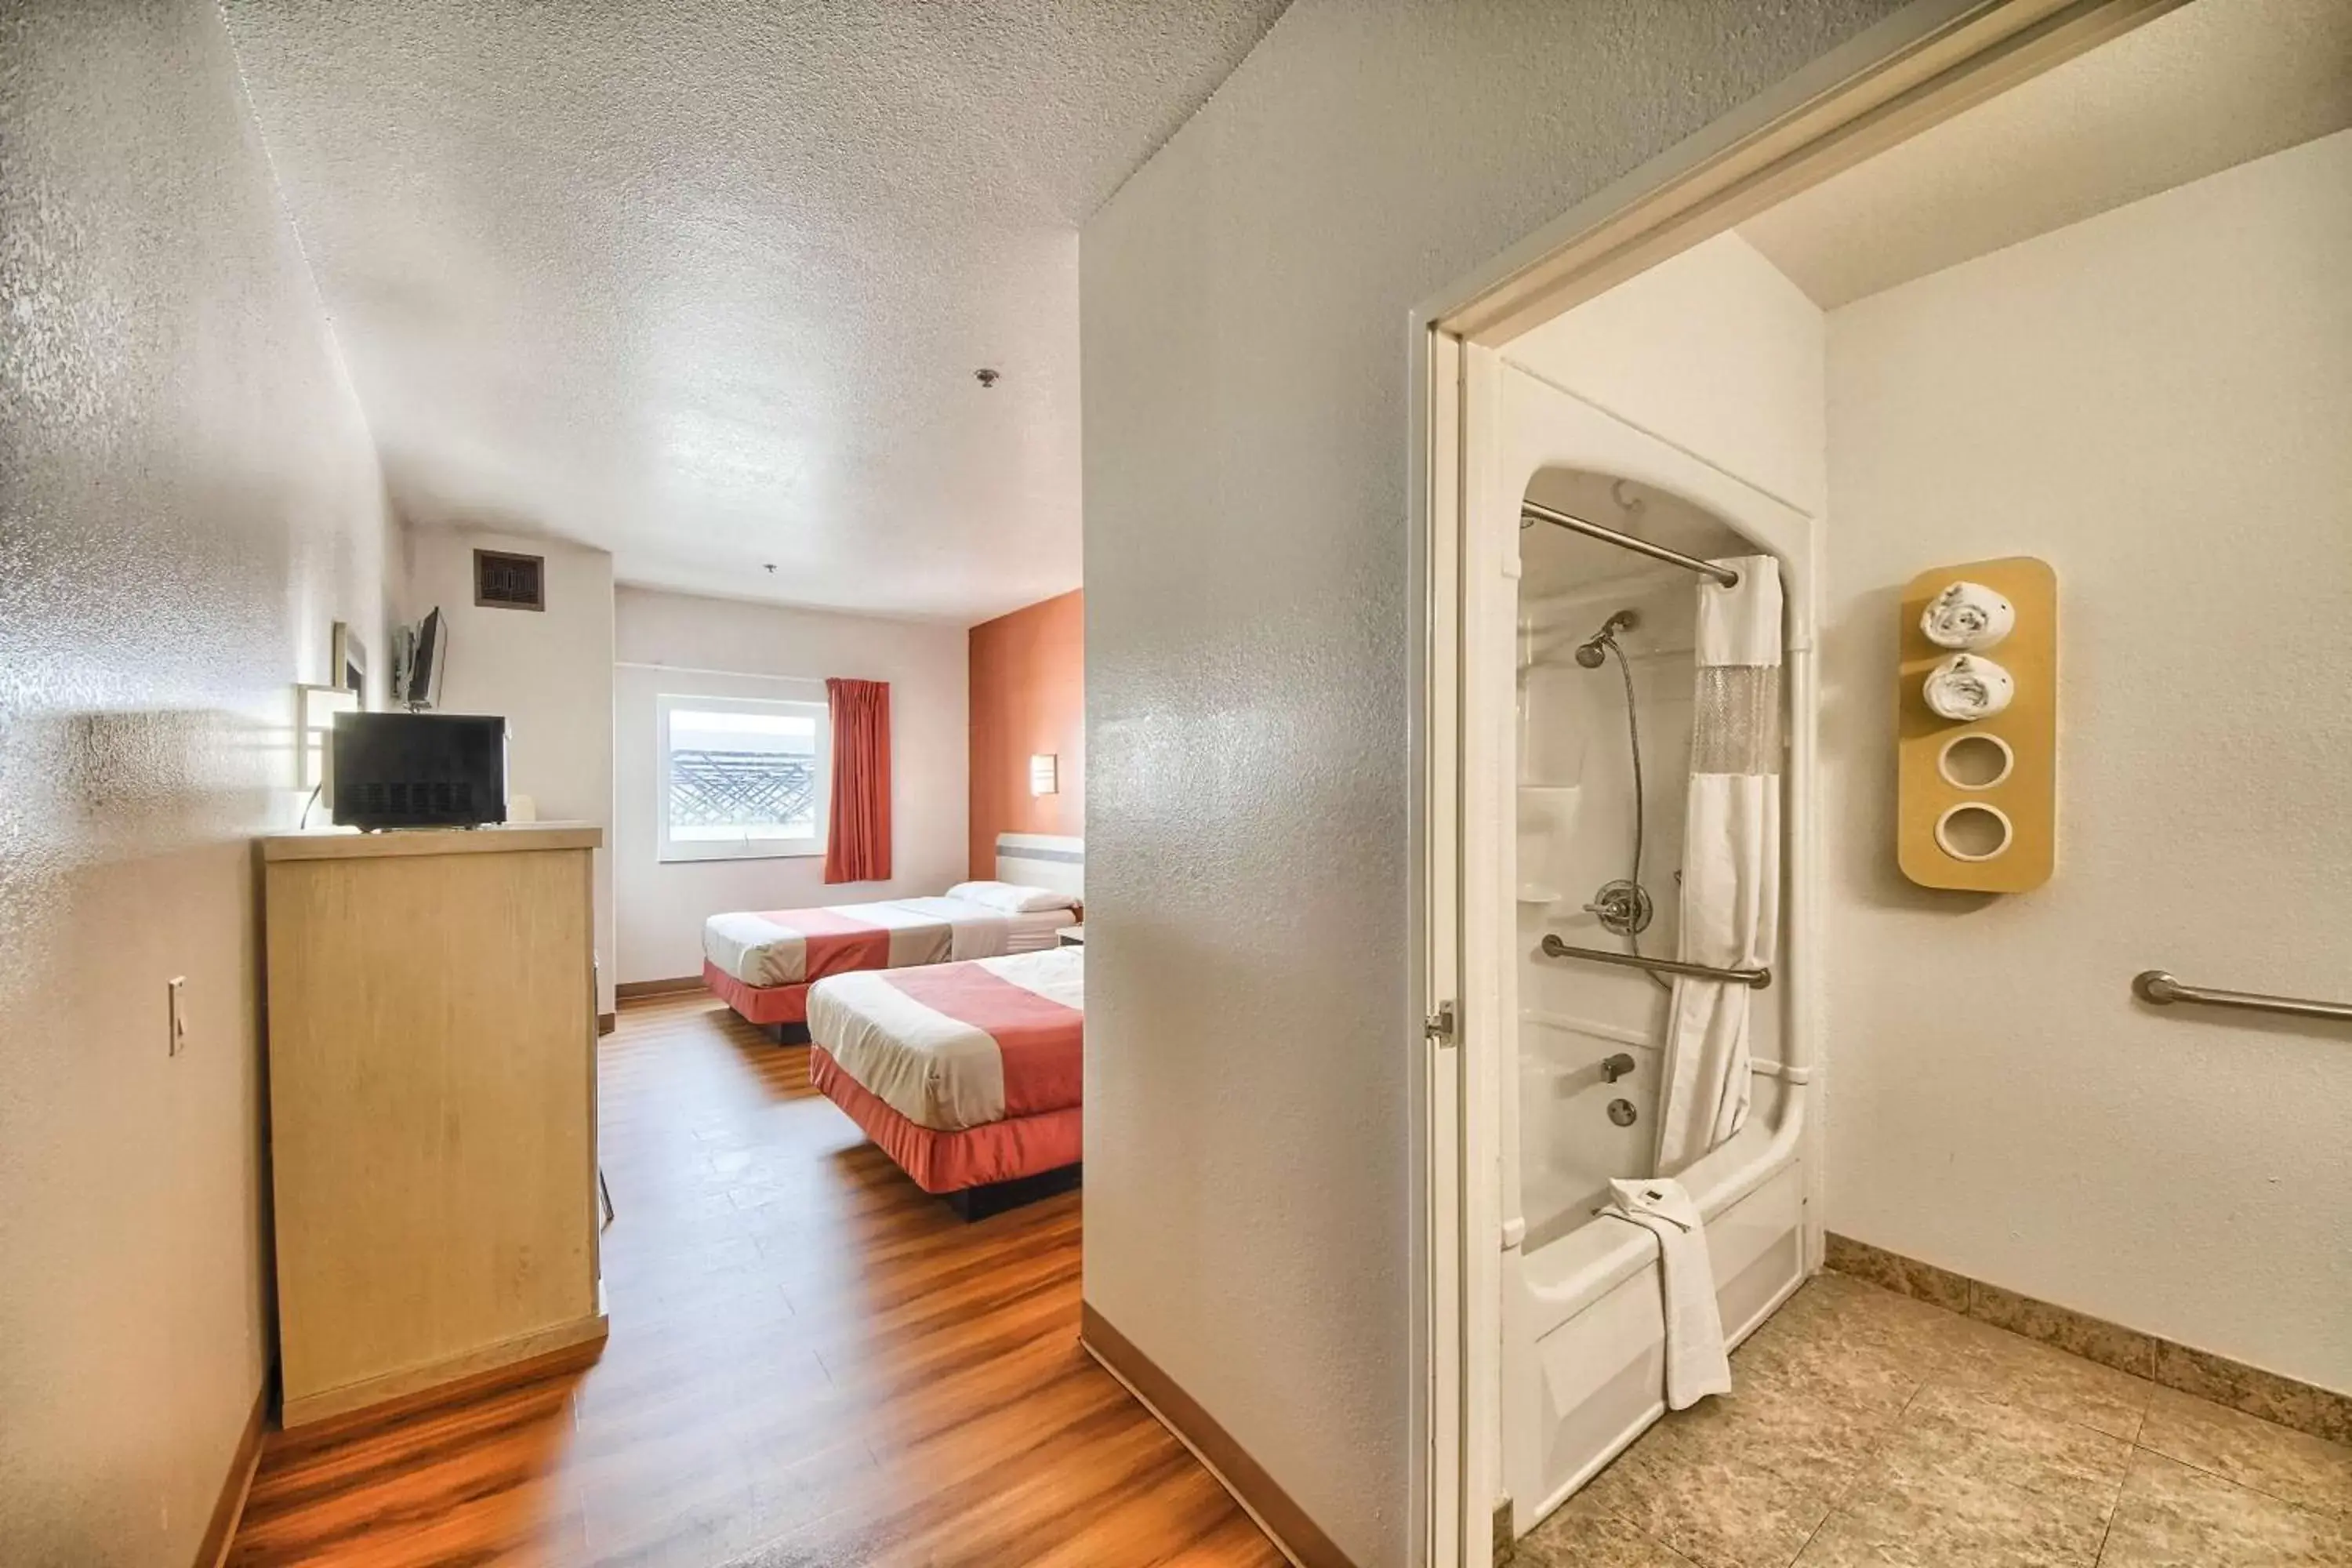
{"type": "Point", "coordinates": [2160, 989]}
{"type": "Point", "coordinates": [1756, 978]}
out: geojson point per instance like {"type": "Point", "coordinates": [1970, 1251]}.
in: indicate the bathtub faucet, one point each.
{"type": "Point", "coordinates": [1616, 1066]}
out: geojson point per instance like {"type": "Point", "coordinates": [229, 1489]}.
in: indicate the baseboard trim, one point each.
{"type": "Point", "coordinates": [607, 1022]}
{"type": "Point", "coordinates": [1295, 1535]}
{"type": "Point", "coordinates": [212, 1550]}
{"type": "Point", "coordinates": [630, 990]}
{"type": "Point", "coordinates": [329, 1430]}
{"type": "Point", "coordinates": [2304, 1406]}
{"type": "Point", "coordinates": [523, 1359]}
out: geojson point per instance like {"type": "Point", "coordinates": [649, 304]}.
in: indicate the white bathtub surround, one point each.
{"type": "Point", "coordinates": [1584, 1351]}
{"type": "Point", "coordinates": [1696, 1363]}
{"type": "Point", "coordinates": [1731, 859]}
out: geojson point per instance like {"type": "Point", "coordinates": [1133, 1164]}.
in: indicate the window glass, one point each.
{"type": "Point", "coordinates": [743, 777]}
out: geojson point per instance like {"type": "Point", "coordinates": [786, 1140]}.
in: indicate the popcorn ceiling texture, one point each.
{"type": "Point", "coordinates": [188, 502]}
{"type": "Point", "coordinates": [1245, 302]}
{"type": "Point", "coordinates": [705, 285]}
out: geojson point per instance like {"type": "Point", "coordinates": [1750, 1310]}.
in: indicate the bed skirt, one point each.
{"type": "Point", "coordinates": [758, 1003]}
{"type": "Point", "coordinates": [950, 1162]}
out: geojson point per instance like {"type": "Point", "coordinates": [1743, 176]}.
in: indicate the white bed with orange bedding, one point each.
{"type": "Point", "coordinates": [762, 963]}
{"type": "Point", "coordinates": [968, 1075]}
{"type": "Point", "coordinates": [925, 1046]}
{"type": "Point", "coordinates": [789, 947]}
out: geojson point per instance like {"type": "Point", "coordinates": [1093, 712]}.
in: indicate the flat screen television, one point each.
{"type": "Point", "coordinates": [418, 770]}
{"type": "Point", "coordinates": [417, 654]}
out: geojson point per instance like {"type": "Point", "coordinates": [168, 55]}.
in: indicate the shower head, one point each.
{"type": "Point", "coordinates": [1593, 651]}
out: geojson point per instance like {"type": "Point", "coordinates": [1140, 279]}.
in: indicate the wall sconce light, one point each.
{"type": "Point", "coordinates": [1045, 774]}
{"type": "Point", "coordinates": [315, 708]}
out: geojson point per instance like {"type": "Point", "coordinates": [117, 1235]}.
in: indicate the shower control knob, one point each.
{"type": "Point", "coordinates": [1621, 1112]}
{"type": "Point", "coordinates": [1622, 907]}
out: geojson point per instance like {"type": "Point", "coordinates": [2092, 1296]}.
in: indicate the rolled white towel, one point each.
{"type": "Point", "coordinates": [1967, 615]}
{"type": "Point", "coordinates": [1968, 686]}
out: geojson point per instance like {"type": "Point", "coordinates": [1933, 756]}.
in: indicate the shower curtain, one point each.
{"type": "Point", "coordinates": [1731, 859]}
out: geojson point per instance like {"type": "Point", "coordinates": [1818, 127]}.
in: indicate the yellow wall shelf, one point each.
{"type": "Point", "coordinates": [1976, 803]}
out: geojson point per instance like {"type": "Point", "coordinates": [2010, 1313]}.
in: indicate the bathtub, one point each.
{"type": "Point", "coordinates": [1583, 1358]}
{"type": "Point", "coordinates": [1585, 1349]}
{"type": "Point", "coordinates": [1582, 1369]}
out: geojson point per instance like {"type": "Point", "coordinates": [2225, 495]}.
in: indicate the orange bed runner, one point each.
{"type": "Point", "coordinates": [1042, 1042]}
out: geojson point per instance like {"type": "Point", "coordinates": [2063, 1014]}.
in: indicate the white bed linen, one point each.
{"type": "Point", "coordinates": [1034, 932]}
{"type": "Point", "coordinates": [759, 951]}
{"type": "Point", "coordinates": [934, 1071]}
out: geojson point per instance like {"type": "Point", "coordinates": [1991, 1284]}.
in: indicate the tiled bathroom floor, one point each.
{"type": "Point", "coordinates": [1870, 1428]}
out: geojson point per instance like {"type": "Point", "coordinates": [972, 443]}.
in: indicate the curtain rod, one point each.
{"type": "Point", "coordinates": [1530, 511]}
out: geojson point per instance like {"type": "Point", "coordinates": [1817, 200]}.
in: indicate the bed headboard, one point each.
{"type": "Point", "coordinates": [1042, 860]}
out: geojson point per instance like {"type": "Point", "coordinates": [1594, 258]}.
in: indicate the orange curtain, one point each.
{"type": "Point", "coordinates": [857, 843]}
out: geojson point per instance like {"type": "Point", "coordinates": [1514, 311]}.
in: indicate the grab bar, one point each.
{"type": "Point", "coordinates": [1756, 978]}
{"type": "Point", "coordinates": [2160, 989]}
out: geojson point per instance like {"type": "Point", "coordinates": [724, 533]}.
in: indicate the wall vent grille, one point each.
{"type": "Point", "coordinates": [506, 582]}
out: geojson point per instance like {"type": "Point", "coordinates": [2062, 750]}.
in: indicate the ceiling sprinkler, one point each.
{"type": "Point", "coordinates": [987, 377]}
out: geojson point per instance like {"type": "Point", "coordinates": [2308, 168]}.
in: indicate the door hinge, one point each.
{"type": "Point", "coordinates": [1439, 1025]}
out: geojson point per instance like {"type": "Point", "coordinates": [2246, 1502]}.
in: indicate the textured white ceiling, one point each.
{"type": "Point", "coordinates": [2195, 91]}
{"type": "Point", "coordinates": [705, 285]}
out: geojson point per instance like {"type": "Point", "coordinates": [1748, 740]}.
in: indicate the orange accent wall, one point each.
{"type": "Point", "coordinates": [1028, 696]}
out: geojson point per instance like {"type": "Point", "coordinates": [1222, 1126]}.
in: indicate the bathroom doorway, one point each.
{"type": "Point", "coordinates": [1656, 367]}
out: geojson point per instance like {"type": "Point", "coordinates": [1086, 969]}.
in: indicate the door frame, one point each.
{"type": "Point", "coordinates": [1918, 68]}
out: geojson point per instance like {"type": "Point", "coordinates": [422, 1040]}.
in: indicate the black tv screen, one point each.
{"type": "Point", "coordinates": [422, 688]}
{"type": "Point", "coordinates": [419, 770]}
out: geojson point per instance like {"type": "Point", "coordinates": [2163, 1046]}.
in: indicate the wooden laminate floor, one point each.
{"type": "Point", "coordinates": [812, 1365]}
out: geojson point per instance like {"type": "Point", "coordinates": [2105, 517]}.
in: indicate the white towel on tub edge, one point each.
{"type": "Point", "coordinates": [1696, 1365]}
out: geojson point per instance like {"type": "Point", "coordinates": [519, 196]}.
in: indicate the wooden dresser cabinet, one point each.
{"type": "Point", "coordinates": [432, 1107]}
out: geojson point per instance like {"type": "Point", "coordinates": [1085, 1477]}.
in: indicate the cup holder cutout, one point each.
{"type": "Point", "coordinates": [1973, 832]}
{"type": "Point", "coordinates": [1974, 761]}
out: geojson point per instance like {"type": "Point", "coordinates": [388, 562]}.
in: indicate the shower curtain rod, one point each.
{"type": "Point", "coordinates": [1529, 512]}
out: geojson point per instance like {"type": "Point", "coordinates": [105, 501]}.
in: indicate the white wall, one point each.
{"type": "Point", "coordinates": [1714, 351]}
{"type": "Point", "coordinates": [2158, 401]}
{"type": "Point", "coordinates": [189, 500]}
{"type": "Point", "coordinates": [1245, 302]}
{"type": "Point", "coordinates": [549, 671]}
{"type": "Point", "coordinates": [678, 643]}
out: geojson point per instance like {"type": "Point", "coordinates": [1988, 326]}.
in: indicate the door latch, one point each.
{"type": "Point", "coordinates": [1439, 1025]}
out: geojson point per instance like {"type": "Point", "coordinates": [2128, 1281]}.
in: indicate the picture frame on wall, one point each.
{"type": "Point", "coordinates": [350, 658]}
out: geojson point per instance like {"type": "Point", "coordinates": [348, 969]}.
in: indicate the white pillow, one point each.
{"type": "Point", "coordinates": [1011, 897]}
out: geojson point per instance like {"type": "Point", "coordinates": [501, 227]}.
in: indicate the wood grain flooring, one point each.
{"type": "Point", "coordinates": [812, 1365]}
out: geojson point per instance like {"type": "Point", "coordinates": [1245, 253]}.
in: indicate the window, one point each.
{"type": "Point", "coordinates": [743, 779]}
